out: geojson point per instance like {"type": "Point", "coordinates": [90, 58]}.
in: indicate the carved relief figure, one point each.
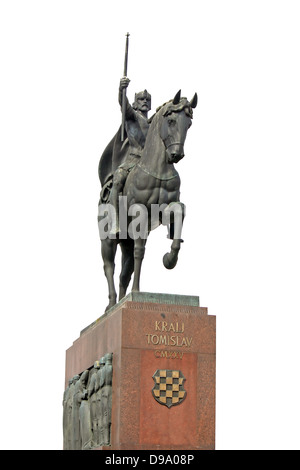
{"type": "Point", "coordinates": [79, 392]}
{"type": "Point", "coordinates": [87, 403]}
{"type": "Point", "coordinates": [85, 415]}
{"type": "Point", "coordinates": [66, 413]}
{"type": "Point", "coordinates": [100, 403]}
{"type": "Point", "coordinates": [107, 398]}
{"type": "Point", "coordinates": [69, 424]}
{"type": "Point", "coordinates": [92, 390]}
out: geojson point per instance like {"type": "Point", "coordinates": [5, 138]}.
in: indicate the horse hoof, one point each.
{"type": "Point", "coordinates": [110, 305]}
{"type": "Point", "coordinates": [170, 260]}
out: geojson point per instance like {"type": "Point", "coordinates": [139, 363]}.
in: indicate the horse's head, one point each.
{"type": "Point", "coordinates": [177, 119]}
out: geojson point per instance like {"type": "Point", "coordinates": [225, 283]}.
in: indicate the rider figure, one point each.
{"type": "Point", "coordinates": [136, 125]}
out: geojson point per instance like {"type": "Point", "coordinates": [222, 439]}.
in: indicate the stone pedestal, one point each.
{"type": "Point", "coordinates": [164, 364]}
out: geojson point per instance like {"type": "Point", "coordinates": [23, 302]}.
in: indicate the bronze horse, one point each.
{"type": "Point", "coordinates": [154, 181]}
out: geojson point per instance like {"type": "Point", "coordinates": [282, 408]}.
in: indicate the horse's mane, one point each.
{"type": "Point", "coordinates": [154, 121]}
{"type": "Point", "coordinates": [169, 107]}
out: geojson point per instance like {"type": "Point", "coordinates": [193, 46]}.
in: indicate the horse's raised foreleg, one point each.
{"type": "Point", "coordinates": [170, 259]}
{"type": "Point", "coordinates": [177, 210]}
{"type": "Point", "coordinates": [108, 251]}
{"type": "Point", "coordinates": [127, 247]}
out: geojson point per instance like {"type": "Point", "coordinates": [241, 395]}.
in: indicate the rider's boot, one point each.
{"type": "Point", "coordinates": [118, 184]}
{"type": "Point", "coordinates": [115, 223]}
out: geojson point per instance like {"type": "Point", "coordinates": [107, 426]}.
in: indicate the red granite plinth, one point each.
{"type": "Point", "coordinates": [145, 337]}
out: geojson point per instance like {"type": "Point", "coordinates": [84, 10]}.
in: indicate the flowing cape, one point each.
{"type": "Point", "coordinates": [112, 157]}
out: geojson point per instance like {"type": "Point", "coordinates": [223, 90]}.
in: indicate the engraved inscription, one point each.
{"type": "Point", "coordinates": [159, 353]}
{"type": "Point", "coordinates": [169, 340]}
{"type": "Point", "coordinates": [169, 334]}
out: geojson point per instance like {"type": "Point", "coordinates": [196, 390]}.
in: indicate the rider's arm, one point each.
{"type": "Point", "coordinates": [129, 111]}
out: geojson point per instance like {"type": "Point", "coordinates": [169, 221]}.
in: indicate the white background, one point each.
{"type": "Point", "coordinates": [61, 62]}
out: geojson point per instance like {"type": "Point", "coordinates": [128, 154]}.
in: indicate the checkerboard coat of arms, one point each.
{"type": "Point", "coordinates": [168, 387]}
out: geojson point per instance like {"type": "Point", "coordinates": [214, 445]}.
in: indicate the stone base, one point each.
{"type": "Point", "coordinates": [148, 333]}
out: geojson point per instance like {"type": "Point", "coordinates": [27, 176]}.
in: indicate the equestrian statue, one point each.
{"type": "Point", "coordinates": [140, 187]}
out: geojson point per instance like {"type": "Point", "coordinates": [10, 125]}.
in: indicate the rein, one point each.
{"type": "Point", "coordinates": [156, 176]}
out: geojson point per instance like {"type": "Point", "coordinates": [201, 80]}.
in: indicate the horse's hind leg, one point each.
{"type": "Point", "coordinates": [127, 266]}
{"type": "Point", "coordinates": [108, 250]}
